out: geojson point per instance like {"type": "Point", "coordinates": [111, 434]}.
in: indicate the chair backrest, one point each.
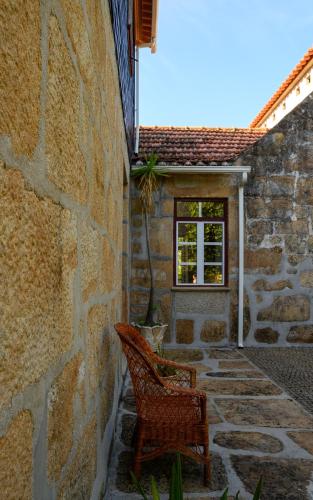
{"type": "Point", "coordinates": [135, 336]}
{"type": "Point", "coordinates": [146, 381]}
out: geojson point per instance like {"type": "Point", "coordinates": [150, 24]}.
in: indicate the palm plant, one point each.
{"type": "Point", "coordinates": [256, 496]}
{"type": "Point", "coordinates": [176, 485]}
{"type": "Point", "coordinates": [148, 177]}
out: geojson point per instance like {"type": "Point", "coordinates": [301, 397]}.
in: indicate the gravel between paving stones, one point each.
{"type": "Point", "coordinates": [290, 367]}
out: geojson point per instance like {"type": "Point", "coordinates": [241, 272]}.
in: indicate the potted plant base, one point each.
{"type": "Point", "coordinates": [153, 334]}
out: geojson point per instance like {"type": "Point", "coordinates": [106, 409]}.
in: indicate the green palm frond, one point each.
{"type": "Point", "coordinates": [154, 489]}
{"type": "Point", "coordinates": [148, 176]}
{"type": "Point", "coordinates": [225, 495]}
{"type": "Point", "coordinates": [257, 494]}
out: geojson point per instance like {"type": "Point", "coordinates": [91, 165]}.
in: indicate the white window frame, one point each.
{"type": "Point", "coordinates": [200, 264]}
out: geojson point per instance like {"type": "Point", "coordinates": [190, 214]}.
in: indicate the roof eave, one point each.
{"type": "Point", "coordinates": [144, 39]}
{"type": "Point", "coordinates": [201, 169]}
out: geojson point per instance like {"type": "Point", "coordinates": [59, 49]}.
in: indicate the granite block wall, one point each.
{"type": "Point", "coordinates": [63, 177]}
{"type": "Point", "coordinates": [279, 234]}
{"type": "Point", "coordinates": [195, 317]}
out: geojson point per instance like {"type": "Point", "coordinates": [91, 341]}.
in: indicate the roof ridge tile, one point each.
{"type": "Point", "coordinates": [308, 56]}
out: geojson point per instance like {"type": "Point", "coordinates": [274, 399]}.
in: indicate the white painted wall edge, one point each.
{"type": "Point", "coordinates": [202, 169]}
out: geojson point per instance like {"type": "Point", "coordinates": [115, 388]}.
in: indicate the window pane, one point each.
{"type": "Point", "coordinates": [187, 274]}
{"type": "Point", "coordinates": [213, 232]}
{"type": "Point", "coordinates": [187, 232]}
{"type": "Point", "coordinates": [187, 209]}
{"type": "Point", "coordinates": [212, 209]}
{"type": "Point", "coordinates": [213, 275]}
{"type": "Point", "coordinates": [187, 253]}
{"type": "Point", "coordinates": [213, 253]}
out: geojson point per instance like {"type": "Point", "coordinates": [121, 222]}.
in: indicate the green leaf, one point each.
{"type": "Point", "coordinates": [154, 489]}
{"type": "Point", "coordinates": [257, 494]}
{"type": "Point", "coordinates": [225, 495]}
{"type": "Point", "coordinates": [172, 483]}
{"type": "Point", "coordinates": [179, 479]}
{"type": "Point", "coordinates": [138, 486]}
{"type": "Point", "coordinates": [237, 495]}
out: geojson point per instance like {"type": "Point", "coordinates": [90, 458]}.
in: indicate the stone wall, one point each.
{"type": "Point", "coordinates": [278, 305]}
{"type": "Point", "coordinates": [279, 234]}
{"type": "Point", "coordinates": [195, 317]}
{"type": "Point", "coordinates": [63, 159]}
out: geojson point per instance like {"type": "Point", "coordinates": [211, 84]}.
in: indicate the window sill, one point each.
{"type": "Point", "coordinates": [200, 289]}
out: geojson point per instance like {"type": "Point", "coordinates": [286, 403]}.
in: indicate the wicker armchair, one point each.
{"type": "Point", "coordinates": [184, 375]}
{"type": "Point", "coordinates": [170, 417]}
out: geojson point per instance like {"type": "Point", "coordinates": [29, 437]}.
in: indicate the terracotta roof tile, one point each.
{"type": "Point", "coordinates": [284, 86]}
{"type": "Point", "coordinates": [195, 145]}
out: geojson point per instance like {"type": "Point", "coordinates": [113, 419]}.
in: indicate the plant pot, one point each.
{"type": "Point", "coordinates": [153, 334]}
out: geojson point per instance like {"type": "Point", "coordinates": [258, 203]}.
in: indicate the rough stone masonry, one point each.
{"type": "Point", "coordinates": [279, 233]}
{"type": "Point", "coordinates": [62, 161]}
{"type": "Point", "coordinates": [278, 247]}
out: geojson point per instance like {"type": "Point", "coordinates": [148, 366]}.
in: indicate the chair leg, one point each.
{"type": "Point", "coordinates": [206, 468]}
{"type": "Point", "coordinates": [134, 436]}
{"type": "Point", "coordinates": [138, 448]}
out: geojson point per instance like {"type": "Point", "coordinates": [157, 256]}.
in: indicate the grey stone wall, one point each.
{"type": "Point", "coordinates": [279, 234]}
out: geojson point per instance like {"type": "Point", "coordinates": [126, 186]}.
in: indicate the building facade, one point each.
{"type": "Point", "coordinates": [294, 89]}
{"type": "Point", "coordinates": [195, 234]}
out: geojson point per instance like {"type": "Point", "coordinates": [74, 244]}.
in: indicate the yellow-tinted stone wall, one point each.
{"type": "Point", "coordinates": [63, 263]}
{"type": "Point", "coordinates": [16, 458]}
{"type": "Point", "coordinates": [194, 317]}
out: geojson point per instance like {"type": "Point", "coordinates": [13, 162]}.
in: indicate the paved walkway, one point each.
{"type": "Point", "coordinates": [291, 368]}
{"type": "Point", "coordinates": [256, 429]}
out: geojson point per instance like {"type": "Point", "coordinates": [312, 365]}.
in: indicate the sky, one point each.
{"type": "Point", "coordinates": [218, 62]}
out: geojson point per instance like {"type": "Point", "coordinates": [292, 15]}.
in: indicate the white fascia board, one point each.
{"type": "Point", "coordinates": [203, 169]}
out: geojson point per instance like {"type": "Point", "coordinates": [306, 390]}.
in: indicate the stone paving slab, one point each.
{"type": "Point", "coordinates": [284, 479]}
{"type": "Point", "coordinates": [265, 412]}
{"type": "Point", "coordinates": [251, 374]}
{"type": "Point", "coordinates": [303, 439]}
{"type": "Point", "coordinates": [251, 441]}
{"type": "Point", "coordinates": [223, 354]}
{"type": "Point", "coordinates": [235, 364]}
{"type": "Point", "coordinates": [239, 387]}
{"type": "Point", "coordinates": [255, 429]}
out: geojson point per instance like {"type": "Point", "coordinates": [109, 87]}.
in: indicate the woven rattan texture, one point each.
{"type": "Point", "coordinates": [171, 414]}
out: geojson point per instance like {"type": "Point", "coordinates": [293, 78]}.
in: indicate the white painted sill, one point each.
{"type": "Point", "coordinates": [200, 289]}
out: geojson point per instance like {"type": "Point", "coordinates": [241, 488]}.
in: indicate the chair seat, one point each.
{"type": "Point", "coordinates": [170, 411]}
{"type": "Point", "coordinates": [158, 435]}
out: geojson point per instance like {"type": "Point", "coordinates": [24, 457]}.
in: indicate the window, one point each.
{"type": "Point", "coordinates": [200, 235]}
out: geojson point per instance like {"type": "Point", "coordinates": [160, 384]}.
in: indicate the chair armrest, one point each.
{"type": "Point", "coordinates": [197, 398]}
{"type": "Point", "coordinates": [186, 391]}
{"type": "Point", "coordinates": [185, 375]}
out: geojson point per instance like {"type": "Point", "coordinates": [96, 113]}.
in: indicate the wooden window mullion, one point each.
{"type": "Point", "coordinates": [200, 253]}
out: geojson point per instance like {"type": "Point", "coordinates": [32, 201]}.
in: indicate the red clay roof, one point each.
{"type": "Point", "coordinates": [195, 145]}
{"type": "Point", "coordinates": [284, 86]}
